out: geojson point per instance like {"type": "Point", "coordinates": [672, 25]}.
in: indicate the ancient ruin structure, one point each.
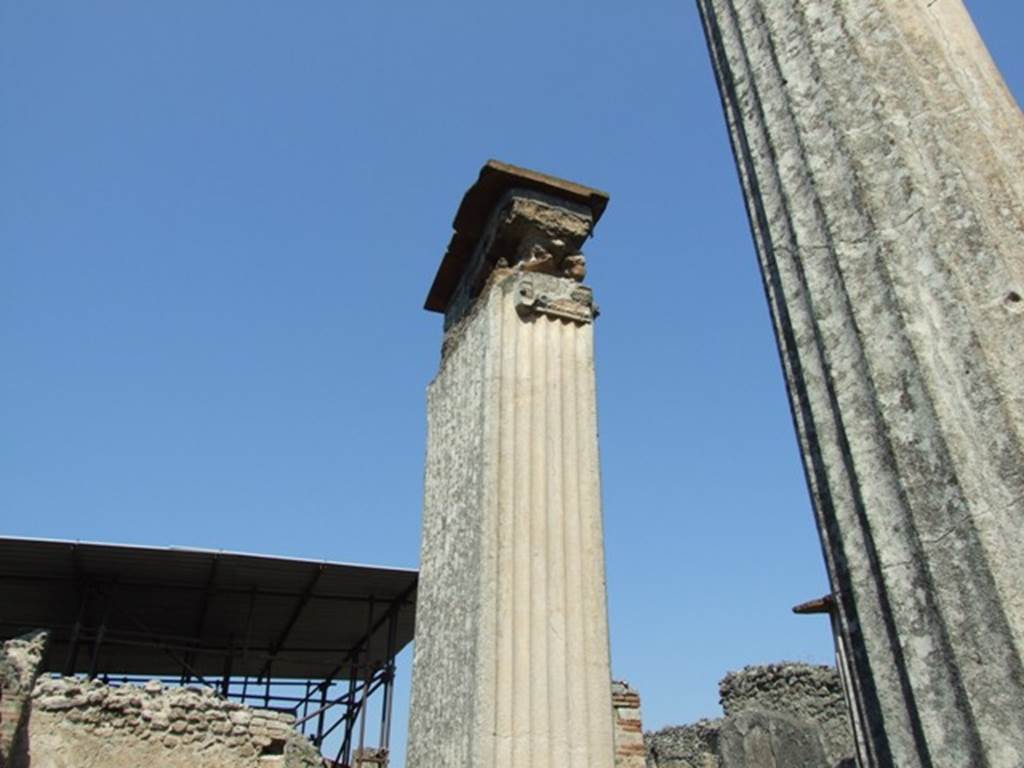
{"type": "Point", "coordinates": [785, 715]}
{"type": "Point", "coordinates": [20, 659]}
{"type": "Point", "coordinates": [630, 751]}
{"type": "Point", "coordinates": [881, 156]}
{"type": "Point", "coordinates": [511, 665]}
{"type": "Point", "coordinates": [48, 722]}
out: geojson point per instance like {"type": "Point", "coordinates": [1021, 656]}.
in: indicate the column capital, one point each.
{"type": "Point", "coordinates": [515, 220]}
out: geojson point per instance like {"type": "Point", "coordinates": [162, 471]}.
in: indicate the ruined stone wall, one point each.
{"type": "Point", "coordinates": [19, 665]}
{"type": "Point", "coordinates": [798, 708]}
{"type": "Point", "coordinates": [806, 692]}
{"type": "Point", "coordinates": [75, 723]}
{"type": "Point", "coordinates": [85, 723]}
{"type": "Point", "coordinates": [684, 746]}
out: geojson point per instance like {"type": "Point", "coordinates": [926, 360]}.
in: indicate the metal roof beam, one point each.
{"type": "Point", "coordinates": [304, 599]}
{"type": "Point", "coordinates": [197, 588]}
{"type": "Point", "coordinates": [393, 609]}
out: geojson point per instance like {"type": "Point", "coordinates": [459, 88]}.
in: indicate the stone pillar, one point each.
{"type": "Point", "coordinates": [882, 160]}
{"type": "Point", "coordinates": [511, 664]}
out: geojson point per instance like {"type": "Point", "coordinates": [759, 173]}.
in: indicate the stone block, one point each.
{"type": "Point", "coordinates": [757, 738]}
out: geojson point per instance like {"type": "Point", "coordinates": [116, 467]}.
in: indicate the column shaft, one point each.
{"type": "Point", "coordinates": [882, 160]}
{"type": "Point", "coordinates": [533, 669]}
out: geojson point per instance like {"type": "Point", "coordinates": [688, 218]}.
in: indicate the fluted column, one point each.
{"type": "Point", "coordinates": [882, 160]}
{"type": "Point", "coordinates": [511, 664]}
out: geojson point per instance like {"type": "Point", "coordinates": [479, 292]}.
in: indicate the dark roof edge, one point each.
{"type": "Point", "coordinates": [203, 551]}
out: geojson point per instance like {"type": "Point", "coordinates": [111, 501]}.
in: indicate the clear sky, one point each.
{"type": "Point", "coordinates": [218, 223]}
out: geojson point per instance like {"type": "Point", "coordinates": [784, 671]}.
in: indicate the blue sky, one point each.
{"type": "Point", "coordinates": [219, 221]}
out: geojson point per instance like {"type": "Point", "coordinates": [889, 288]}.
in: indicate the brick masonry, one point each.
{"type": "Point", "coordinates": [630, 751]}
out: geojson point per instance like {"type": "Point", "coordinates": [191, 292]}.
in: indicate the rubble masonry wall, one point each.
{"type": "Point", "coordinates": [810, 694]}
{"type": "Point", "coordinates": [76, 723]}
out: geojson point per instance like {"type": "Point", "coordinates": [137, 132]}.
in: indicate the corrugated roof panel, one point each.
{"type": "Point", "coordinates": [162, 608]}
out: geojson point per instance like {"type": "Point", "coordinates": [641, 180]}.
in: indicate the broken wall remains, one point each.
{"type": "Point", "coordinates": [778, 703]}
{"type": "Point", "coordinates": [77, 723]}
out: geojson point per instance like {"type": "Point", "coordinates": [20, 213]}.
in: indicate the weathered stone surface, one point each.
{"type": "Point", "coordinates": [20, 660]}
{"type": "Point", "coordinates": [812, 694]}
{"type": "Point", "coordinates": [511, 663]}
{"type": "Point", "coordinates": [528, 233]}
{"type": "Point", "coordinates": [87, 724]}
{"type": "Point", "coordinates": [490, 199]}
{"type": "Point", "coordinates": [881, 157]}
{"type": "Point", "coordinates": [756, 738]}
{"type": "Point", "coordinates": [684, 746]}
{"type": "Point", "coordinates": [449, 602]}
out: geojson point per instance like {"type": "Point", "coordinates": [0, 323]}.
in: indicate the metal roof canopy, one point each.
{"type": "Point", "coordinates": [128, 610]}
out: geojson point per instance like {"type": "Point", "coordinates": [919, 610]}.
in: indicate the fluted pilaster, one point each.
{"type": "Point", "coordinates": [512, 660]}
{"type": "Point", "coordinates": [882, 160]}
{"type": "Point", "coordinates": [551, 687]}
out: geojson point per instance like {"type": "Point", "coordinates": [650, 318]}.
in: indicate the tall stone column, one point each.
{"type": "Point", "coordinates": [882, 159]}
{"type": "Point", "coordinates": [511, 663]}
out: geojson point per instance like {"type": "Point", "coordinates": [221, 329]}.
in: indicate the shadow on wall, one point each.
{"type": "Point", "coordinates": [19, 666]}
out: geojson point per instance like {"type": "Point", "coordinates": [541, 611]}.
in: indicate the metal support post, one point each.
{"type": "Point", "coordinates": [225, 685]}
{"type": "Point", "coordinates": [323, 710]}
{"type": "Point", "coordinates": [389, 682]}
